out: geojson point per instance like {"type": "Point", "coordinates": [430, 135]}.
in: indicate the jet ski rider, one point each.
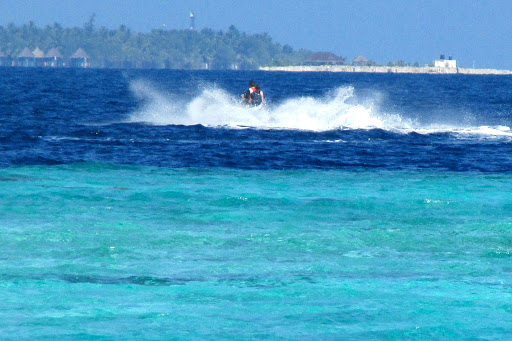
{"type": "Point", "coordinates": [246, 96]}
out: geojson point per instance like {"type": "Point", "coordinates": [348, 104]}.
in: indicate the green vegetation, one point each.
{"type": "Point", "coordinates": [401, 63]}
{"type": "Point", "coordinates": [174, 49]}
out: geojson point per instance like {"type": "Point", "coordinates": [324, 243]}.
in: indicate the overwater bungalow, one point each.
{"type": "Point", "coordinates": [79, 59]}
{"type": "Point", "coordinates": [39, 58]}
{"type": "Point", "coordinates": [54, 58]}
{"type": "Point", "coordinates": [25, 58]}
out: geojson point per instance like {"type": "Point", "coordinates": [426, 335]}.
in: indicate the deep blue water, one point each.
{"type": "Point", "coordinates": [70, 116]}
{"type": "Point", "coordinates": [151, 205]}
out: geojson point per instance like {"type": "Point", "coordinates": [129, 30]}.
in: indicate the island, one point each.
{"type": "Point", "coordinates": [386, 69]}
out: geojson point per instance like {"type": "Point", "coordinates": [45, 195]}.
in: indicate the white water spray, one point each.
{"type": "Point", "coordinates": [215, 107]}
{"type": "Point", "coordinates": [339, 109]}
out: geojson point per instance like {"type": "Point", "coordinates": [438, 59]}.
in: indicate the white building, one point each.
{"type": "Point", "coordinates": [445, 63]}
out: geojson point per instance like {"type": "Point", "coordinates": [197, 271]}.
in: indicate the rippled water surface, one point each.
{"type": "Point", "coordinates": [151, 205]}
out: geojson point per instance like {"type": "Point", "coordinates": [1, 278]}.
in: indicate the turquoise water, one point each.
{"type": "Point", "coordinates": [104, 251]}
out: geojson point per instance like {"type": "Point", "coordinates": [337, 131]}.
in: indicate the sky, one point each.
{"type": "Point", "coordinates": [478, 33]}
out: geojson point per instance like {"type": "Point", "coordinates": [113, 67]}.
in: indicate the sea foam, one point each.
{"type": "Point", "coordinates": [340, 108]}
{"type": "Point", "coordinates": [215, 107]}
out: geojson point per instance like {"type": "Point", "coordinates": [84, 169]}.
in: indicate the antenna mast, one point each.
{"type": "Point", "coordinates": [192, 21]}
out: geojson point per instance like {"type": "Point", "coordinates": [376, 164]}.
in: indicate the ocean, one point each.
{"type": "Point", "coordinates": [151, 205]}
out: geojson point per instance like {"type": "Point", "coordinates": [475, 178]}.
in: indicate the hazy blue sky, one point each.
{"type": "Point", "coordinates": [472, 31]}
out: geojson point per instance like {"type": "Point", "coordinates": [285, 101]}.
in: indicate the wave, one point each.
{"type": "Point", "coordinates": [461, 132]}
{"type": "Point", "coordinates": [339, 109]}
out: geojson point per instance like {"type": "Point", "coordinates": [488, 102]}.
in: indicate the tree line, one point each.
{"type": "Point", "coordinates": [159, 48]}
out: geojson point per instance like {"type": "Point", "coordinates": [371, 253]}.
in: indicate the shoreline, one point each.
{"type": "Point", "coordinates": [386, 69]}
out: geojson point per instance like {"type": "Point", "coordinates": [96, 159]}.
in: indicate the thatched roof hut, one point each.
{"type": "Point", "coordinates": [79, 59]}
{"type": "Point", "coordinates": [80, 54]}
{"type": "Point", "coordinates": [26, 53]}
{"type": "Point", "coordinates": [54, 53]}
{"type": "Point", "coordinates": [360, 60]}
{"type": "Point", "coordinates": [38, 53]}
{"type": "Point", "coordinates": [54, 58]}
{"type": "Point", "coordinates": [322, 58]}
{"type": "Point", "coordinates": [25, 58]}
